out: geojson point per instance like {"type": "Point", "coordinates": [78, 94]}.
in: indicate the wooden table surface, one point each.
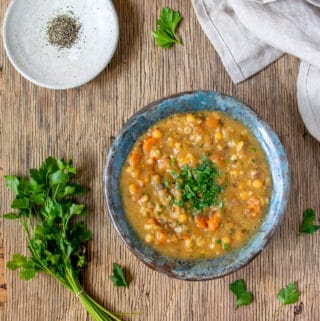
{"type": "Point", "coordinates": [80, 123]}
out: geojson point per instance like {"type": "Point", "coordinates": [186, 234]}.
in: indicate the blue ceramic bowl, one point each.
{"type": "Point", "coordinates": [201, 269]}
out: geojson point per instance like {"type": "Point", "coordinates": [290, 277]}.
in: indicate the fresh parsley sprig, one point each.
{"type": "Point", "coordinates": [307, 226]}
{"type": "Point", "coordinates": [165, 34]}
{"type": "Point", "coordinates": [46, 206]}
{"type": "Point", "coordinates": [118, 277]}
{"type": "Point", "coordinates": [239, 289]}
{"type": "Point", "coordinates": [287, 295]}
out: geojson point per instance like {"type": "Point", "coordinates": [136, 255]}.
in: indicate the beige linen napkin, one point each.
{"type": "Point", "coordinates": [250, 34]}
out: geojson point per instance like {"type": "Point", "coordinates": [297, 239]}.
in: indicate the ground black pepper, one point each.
{"type": "Point", "coordinates": [63, 31]}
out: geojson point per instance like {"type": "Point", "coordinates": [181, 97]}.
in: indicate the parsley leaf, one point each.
{"type": "Point", "coordinates": [166, 182]}
{"type": "Point", "coordinates": [239, 289]}
{"type": "Point", "coordinates": [11, 216]}
{"type": "Point", "coordinates": [289, 294]}
{"type": "Point", "coordinates": [165, 34]}
{"type": "Point", "coordinates": [12, 183]}
{"type": "Point", "coordinates": [307, 226]}
{"type": "Point", "coordinates": [118, 277]}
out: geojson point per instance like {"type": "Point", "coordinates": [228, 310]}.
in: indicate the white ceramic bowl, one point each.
{"type": "Point", "coordinates": [27, 46]}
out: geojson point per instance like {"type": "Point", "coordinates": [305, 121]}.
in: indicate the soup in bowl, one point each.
{"type": "Point", "coordinates": [196, 185]}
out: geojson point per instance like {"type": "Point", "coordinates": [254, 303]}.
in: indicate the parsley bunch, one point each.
{"type": "Point", "coordinates": [199, 185]}
{"type": "Point", "coordinates": [45, 208]}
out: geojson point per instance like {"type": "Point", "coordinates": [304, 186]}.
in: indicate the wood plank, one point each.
{"type": "Point", "coordinates": [3, 285]}
{"type": "Point", "coordinates": [80, 123]}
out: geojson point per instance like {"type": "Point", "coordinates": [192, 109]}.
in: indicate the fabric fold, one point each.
{"type": "Point", "coordinates": [250, 34]}
{"type": "Point", "coordinates": [241, 52]}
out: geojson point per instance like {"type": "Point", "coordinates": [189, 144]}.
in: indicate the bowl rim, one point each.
{"type": "Point", "coordinates": [107, 181]}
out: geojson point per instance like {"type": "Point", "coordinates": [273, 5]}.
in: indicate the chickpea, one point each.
{"type": "Point", "coordinates": [133, 189]}
{"type": "Point", "coordinates": [178, 229]}
{"type": "Point", "coordinates": [257, 183]}
{"type": "Point", "coordinates": [148, 227]}
{"type": "Point", "coordinates": [135, 173]}
{"type": "Point", "coordinates": [244, 195]}
{"type": "Point", "coordinates": [155, 179]}
{"type": "Point", "coordinates": [156, 133]}
{"type": "Point", "coordinates": [150, 161]}
{"type": "Point", "coordinates": [190, 159]}
{"type": "Point", "coordinates": [144, 211]}
{"type": "Point", "coordinates": [149, 238]}
{"type": "Point", "coordinates": [233, 157]}
{"type": "Point", "coordinates": [226, 240]}
{"type": "Point", "coordinates": [233, 173]}
{"type": "Point", "coordinates": [198, 138]}
{"type": "Point", "coordinates": [231, 143]}
{"type": "Point", "coordinates": [183, 218]}
{"type": "Point", "coordinates": [144, 199]}
{"type": "Point", "coordinates": [188, 244]}
{"type": "Point", "coordinates": [218, 136]}
{"type": "Point", "coordinates": [170, 141]}
{"type": "Point", "coordinates": [187, 130]}
{"type": "Point", "coordinates": [241, 186]}
{"type": "Point", "coordinates": [190, 118]}
{"type": "Point", "coordinates": [155, 153]}
{"type": "Point", "coordinates": [239, 146]}
{"type": "Point", "coordinates": [200, 242]}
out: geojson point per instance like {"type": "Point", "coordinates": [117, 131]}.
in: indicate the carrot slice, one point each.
{"type": "Point", "coordinates": [161, 237]}
{"type": "Point", "coordinates": [201, 221]}
{"type": "Point", "coordinates": [212, 122]}
{"type": "Point", "coordinates": [214, 222]}
{"type": "Point", "coordinates": [134, 158]}
{"type": "Point", "coordinates": [148, 144]}
{"type": "Point", "coordinates": [217, 159]}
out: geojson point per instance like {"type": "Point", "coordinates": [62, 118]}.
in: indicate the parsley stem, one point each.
{"type": "Point", "coordinates": [55, 192]}
{"type": "Point", "coordinates": [97, 312]}
{"type": "Point", "coordinates": [277, 311]}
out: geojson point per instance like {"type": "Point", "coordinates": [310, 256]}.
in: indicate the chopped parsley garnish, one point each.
{"type": "Point", "coordinates": [225, 246]}
{"type": "Point", "coordinates": [174, 174]}
{"type": "Point", "coordinates": [253, 149]}
{"type": "Point", "coordinates": [165, 182]}
{"type": "Point", "coordinates": [200, 189]}
{"type": "Point", "coordinates": [239, 289]}
{"type": "Point", "coordinates": [307, 226]}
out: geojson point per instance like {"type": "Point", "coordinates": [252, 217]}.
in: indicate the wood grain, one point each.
{"type": "Point", "coordinates": [80, 123]}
